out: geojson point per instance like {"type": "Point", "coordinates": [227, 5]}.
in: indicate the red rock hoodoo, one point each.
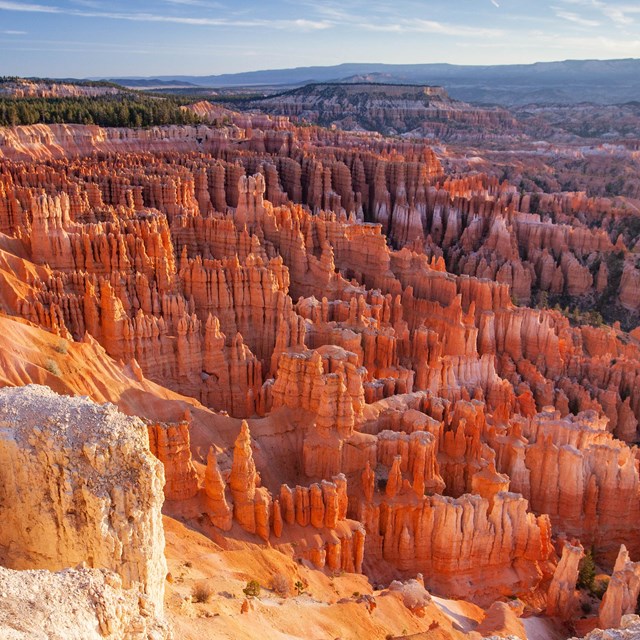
{"type": "Point", "coordinates": [343, 320]}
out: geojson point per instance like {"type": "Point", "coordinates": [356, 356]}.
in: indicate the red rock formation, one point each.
{"type": "Point", "coordinates": [621, 596]}
{"type": "Point", "coordinates": [243, 481]}
{"type": "Point", "coordinates": [589, 468]}
{"type": "Point", "coordinates": [218, 508]}
{"type": "Point", "coordinates": [561, 598]}
{"type": "Point", "coordinates": [629, 287]}
{"type": "Point", "coordinates": [446, 539]}
{"type": "Point", "coordinates": [171, 445]}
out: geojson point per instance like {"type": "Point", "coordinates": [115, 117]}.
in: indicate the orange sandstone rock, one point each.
{"type": "Point", "coordinates": [171, 445]}
{"type": "Point", "coordinates": [621, 595]}
{"type": "Point", "coordinates": [561, 598]}
{"type": "Point", "coordinates": [218, 509]}
{"type": "Point", "coordinates": [243, 481]}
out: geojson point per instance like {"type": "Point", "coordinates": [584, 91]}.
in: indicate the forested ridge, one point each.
{"type": "Point", "coordinates": [122, 110]}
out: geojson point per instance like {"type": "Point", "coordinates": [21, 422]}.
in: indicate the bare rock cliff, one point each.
{"type": "Point", "coordinates": [78, 485]}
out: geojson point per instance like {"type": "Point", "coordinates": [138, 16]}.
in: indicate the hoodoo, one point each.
{"type": "Point", "coordinates": [266, 378]}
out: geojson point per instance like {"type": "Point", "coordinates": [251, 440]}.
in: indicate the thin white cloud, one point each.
{"type": "Point", "coordinates": [29, 8]}
{"type": "Point", "coordinates": [205, 22]}
{"type": "Point", "coordinates": [328, 17]}
{"type": "Point", "coordinates": [399, 26]}
{"type": "Point", "coordinates": [13, 32]}
{"type": "Point", "coordinates": [495, 3]}
{"type": "Point", "coordinates": [154, 17]}
{"type": "Point", "coordinates": [575, 18]}
{"type": "Point", "coordinates": [74, 50]}
{"type": "Point", "coordinates": [381, 17]}
{"type": "Point", "coordinates": [430, 26]}
{"type": "Point", "coordinates": [620, 14]}
{"type": "Point", "coordinates": [312, 24]}
{"type": "Point", "coordinates": [332, 13]}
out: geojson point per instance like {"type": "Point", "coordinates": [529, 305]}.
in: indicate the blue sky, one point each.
{"type": "Point", "coordinates": [84, 38]}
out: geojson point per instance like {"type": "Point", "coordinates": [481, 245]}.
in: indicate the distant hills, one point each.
{"type": "Point", "coordinates": [151, 83]}
{"type": "Point", "coordinates": [567, 82]}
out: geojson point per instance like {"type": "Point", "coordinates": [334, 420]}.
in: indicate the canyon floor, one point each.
{"type": "Point", "coordinates": [397, 388]}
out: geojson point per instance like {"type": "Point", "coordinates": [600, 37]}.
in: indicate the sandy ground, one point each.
{"type": "Point", "coordinates": [541, 629]}
{"type": "Point", "coordinates": [463, 615]}
{"type": "Point", "coordinates": [331, 606]}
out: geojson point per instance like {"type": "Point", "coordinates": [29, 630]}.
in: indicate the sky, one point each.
{"type": "Point", "coordinates": [96, 38]}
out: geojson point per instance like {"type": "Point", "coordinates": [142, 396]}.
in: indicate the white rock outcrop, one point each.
{"type": "Point", "coordinates": [629, 630]}
{"type": "Point", "coordinates": [83, 604]}
{"type": "Point", "coordinates": [78, 485]}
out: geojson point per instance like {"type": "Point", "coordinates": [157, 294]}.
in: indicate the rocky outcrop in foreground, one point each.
{"type": "Point", "coordinates": [80, 487]}
{"type": "Point", "coordinates": [74, 604]}
{"type": "Point", "coordinates": [629, 630]}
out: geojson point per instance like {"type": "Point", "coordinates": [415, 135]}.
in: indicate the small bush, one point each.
{"type": "Point", "coordinates": [201, 592]}
{"type": "Point", "coordinates": [252, 590]}
{"type": "Point", "coordinates": [299, 586]}
{"type": "Point", "coordinates": [599, 588]}
{"type": "Point", "coordinates": [62, 347]}
{"type": "Point", "coordinates": [280, 584]}
{"type": "Point", "coordinates": [587, 571]}
{"type": "Point", "coordinates": [52, 367]}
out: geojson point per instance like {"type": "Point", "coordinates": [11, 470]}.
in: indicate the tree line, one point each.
{"type": "Point", "coordinates": [125, 110]}
{"type": "Point", "coordinates": [74, 81]}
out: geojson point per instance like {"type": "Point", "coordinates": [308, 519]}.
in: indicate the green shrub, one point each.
{"type": "Point", "coordinates": [252, 590]}
{"type": "Point", "coordinates": [587, 571]}
{"type": "Point", "coordinates": [599, 588]}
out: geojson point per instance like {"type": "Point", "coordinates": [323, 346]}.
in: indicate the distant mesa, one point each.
{"type": "Point", "coordinates": [390, 109]}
